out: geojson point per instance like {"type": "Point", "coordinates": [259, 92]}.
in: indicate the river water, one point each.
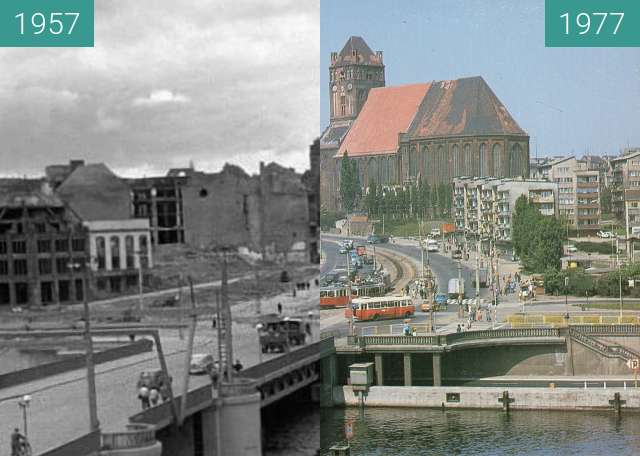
{"type": "Point", "coordinates": [405, 431]}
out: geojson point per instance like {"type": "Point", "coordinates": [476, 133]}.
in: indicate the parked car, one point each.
{"type": "Point", "coordinates": [456, 254]}
{"type": "Point", "coordinates": [201, 363]}
{"type": "Point", "coordinates": [439, 302]}
{"type": "Point", "coordinates": [435, 232]}
{"type": "Point", "coordinates": [276, 333]}
{"type": "Point", "coordinates": [605, 234]}
{"type": "Point", "coordinates": [572, 248]}
{"type": "Point", "coordinates": [373, 239]}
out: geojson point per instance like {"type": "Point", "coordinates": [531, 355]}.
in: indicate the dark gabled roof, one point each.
{"type": "Point", "coordinates": [464, 106]}
{"type": "Point", "coordinates": [356, 51]}
{"type": "Point", "coordinates": [28, 193]}
{"type": "Point", "coordinates": [333, 135]}
{"type": "Point", "coordinates": [94, 192]}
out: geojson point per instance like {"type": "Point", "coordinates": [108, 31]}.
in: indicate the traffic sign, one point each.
{"type": "Point", "coordinates": [634, 364]}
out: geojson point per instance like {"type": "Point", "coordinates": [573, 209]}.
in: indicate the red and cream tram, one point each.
{"type": "Point", "coordinates": [336, 296]}
{"type": "Point", "coordinates": [381, 307]}
{"type": "Point", "coordinates": [333, 296]}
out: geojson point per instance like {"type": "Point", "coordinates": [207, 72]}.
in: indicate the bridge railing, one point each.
{"type": "Point", "coordinates": [609, 330]}
{"type": "Point", "coordinates": [137, 435]}
{"type": "Point", "coordinates": [448, 339]}
{"type": "Point", "coordinates": [273, 365]}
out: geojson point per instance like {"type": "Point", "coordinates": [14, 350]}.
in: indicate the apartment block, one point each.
{"type": "Point", "coordinates": [484, 206]}
{"type": "Point", "coordinates": [579, 186]}
{"type": "Point", "coordinates": [625, 185]}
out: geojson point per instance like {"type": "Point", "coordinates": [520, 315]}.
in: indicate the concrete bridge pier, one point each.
{"type": "Point", "coordinates": [379, 369]}
{"type": "Point", "coordinates": [437, 369]}
{"type": "Point", "coordinates": [238, 427]}
{"type": "Point", "coordinates": [329, 377]}
{"type": "Point", "coordinates": [407, 369]}
{"type": "Point", "coordinates": [568, 360]}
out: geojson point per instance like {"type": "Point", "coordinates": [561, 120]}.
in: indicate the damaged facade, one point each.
{"type": "Point", "coordinates": [435, 131]}
{"type": "Point", "coordinates": [84, 212]}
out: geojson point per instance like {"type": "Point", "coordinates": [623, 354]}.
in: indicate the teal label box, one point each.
{"type": "Point", "coordinates": [592, 23]}
{"type": "Point", "coordinates": [46, 23]}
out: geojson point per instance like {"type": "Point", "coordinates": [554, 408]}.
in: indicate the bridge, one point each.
{"type": "Point", "coordinates": [434, 359]}
{"type": "Point", "coordinates": [221, 422]}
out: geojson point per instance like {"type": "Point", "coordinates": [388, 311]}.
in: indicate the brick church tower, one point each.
{"type": "Point", "coordinates": [352, 73]}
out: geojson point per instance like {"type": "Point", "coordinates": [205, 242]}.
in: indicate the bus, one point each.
{"type": "Point", "coordinates": [381, 307]}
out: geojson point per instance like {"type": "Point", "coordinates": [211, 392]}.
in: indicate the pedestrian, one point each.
{"type": "Point", "coordinates": [214, 322]}
{"type": "Point", "coordinates": [458, 329]}
{"type": "Point", "coordinates": [18, 442]}
{"type": "Point", "coordinates": [280, 306]}
{"type": "Point", "coordinates": [307, 328]}
{"type": "Point", "coordinates": [143, 395]}
{"type": "Point", "coordinates": [414, 332]}
{"type": "Point", "coordinates": [154, 396]}
{"type": "Point", "coordinates": [406, 329]}
{"type": "Point", "coordinates": [308, 286]}
{"type": "Point", "coordinates": [294, 292]}
{"type": "Point", "coordinates": [316, 282]}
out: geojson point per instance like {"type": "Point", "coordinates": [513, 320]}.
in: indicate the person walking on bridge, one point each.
{"type": "Point", "coordinates": [18, 443]}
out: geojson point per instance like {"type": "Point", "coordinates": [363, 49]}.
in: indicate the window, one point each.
{"type": "Point", "coordinates": [3, 247]}
{"type": "Point", "coordinates": [46, 292]}
{"type": "Point", "coordinates": [4, 268]}
{"type": "Point", "coordinates": [115, 252]}
{"type": "Point", "coordinates": [100, 252]}
{"type": "Point", "coordinates": [20, 267]}
{"type": "Point", "coordinates": [144, 260]}
{"type": "Point", "coordinates": [63, 290]}
{"type": "Point", "coordinates": [62, 265]}
{"type": "Point", "coordinates": [77, 244]}
{"type": "Point", "coordinates": [44, 265]}
{"type": "Point", "coordinates": [128, 246]}
{"type": "Point", "coordinates": [44, 245]}
{"type": "Point", "coordinates": [62, 245]}
{"type": "Point", "coordinates": [40, 227]}
{"type": "Point", "coordinates": [19, 247]}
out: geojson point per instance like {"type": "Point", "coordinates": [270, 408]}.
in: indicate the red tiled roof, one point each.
{"type": "Point", "coordinates": [387, 112]}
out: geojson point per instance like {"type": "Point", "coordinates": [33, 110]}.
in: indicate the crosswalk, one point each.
{"type": "Point", "coordinates": [466, 301]}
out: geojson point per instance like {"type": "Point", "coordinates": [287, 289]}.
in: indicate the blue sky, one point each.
{"type": "Point", "coordinates": [569, 100]}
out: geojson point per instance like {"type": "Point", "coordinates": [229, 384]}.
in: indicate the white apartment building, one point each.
{"type": "Point", "coordinates": [484, 206]}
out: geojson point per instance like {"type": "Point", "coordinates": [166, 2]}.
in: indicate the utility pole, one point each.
{"type": "Point", "coordinates": [187, 361]}
{"type": "Point", "coordinates": [460, 290]}
{"type": "Point", "coordinates": [619, 276]}
{"type": "Point", "coordinates": [478, 248]}
{"type": "Point", "coordinates": [140, 280]}
{"type": "Point", "coordinates": [91, 373]}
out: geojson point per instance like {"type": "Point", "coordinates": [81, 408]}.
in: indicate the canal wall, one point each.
{"type": "Point", "coordinates": [489, 397]}
{"type": "Point", "coordinates": [73, 362]}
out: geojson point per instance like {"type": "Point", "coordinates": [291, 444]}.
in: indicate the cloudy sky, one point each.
{"type": "Point", "coordinates": [208, 81]}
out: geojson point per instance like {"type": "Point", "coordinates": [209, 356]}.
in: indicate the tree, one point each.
{"type": "Point", "coordinates": [346, 183]}
{"type": "Point", "coordinates": [606, 200]}
{"type": "Point", "coordinates": [371, 200]}
{"type": "Point", "coordinates": [356, 188]}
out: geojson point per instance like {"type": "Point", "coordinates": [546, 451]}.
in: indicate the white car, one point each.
{"type": "Point", "coordinates": [572, 248]}
{"type": "Point", "coordinates": [201, 363]}
{"type": "Point", "coordinates": [435, 232]}
{"type": "Point", "coordinates": [605, 234]}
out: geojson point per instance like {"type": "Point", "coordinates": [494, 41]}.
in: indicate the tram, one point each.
{"type": "Point", "coordinates": [336, 295]}
{"type": "Point", "coordinates": [381, 307]}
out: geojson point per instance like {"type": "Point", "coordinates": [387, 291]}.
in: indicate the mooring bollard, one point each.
{"type": "Point", "coordinates": [624, 385]}
{"type": "Point", "coordinates": [604, 385]}
{"type": "Point", "coordinates": [506, 401]}
{"type": "Point", "coordinates": [585, 384]}
{"type": "Point", "coordinates": [617, 403]}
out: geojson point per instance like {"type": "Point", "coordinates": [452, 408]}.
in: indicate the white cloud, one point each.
{"type": "Point", "coordinates": [161, 97]}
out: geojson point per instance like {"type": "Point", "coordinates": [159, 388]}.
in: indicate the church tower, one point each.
{"type": "Point", "coordinates": [352, 73]}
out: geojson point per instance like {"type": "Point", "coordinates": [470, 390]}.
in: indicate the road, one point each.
{"type": "Point", "coordinates": [442, 266]}
{"type": "Point", "coordinates": [65, 395]}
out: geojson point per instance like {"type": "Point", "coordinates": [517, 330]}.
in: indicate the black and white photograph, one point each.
{"type": "Point", "coordinates": [159, 234]}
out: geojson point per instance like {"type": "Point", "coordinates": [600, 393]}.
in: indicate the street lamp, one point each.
{"type": "Point", "coordinates": [140, 253]}
{"type": "Point", "coordinates": [23, 403]}
{"type": "Point", "coordinates": [91, 374]}
{"type": "Point", "coordinates": [259, 327]}
{"type": "Point", "coordinates": [566, 299]}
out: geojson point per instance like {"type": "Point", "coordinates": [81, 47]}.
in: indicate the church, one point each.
{"type": "Point", "coordinates": [399, 135]}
